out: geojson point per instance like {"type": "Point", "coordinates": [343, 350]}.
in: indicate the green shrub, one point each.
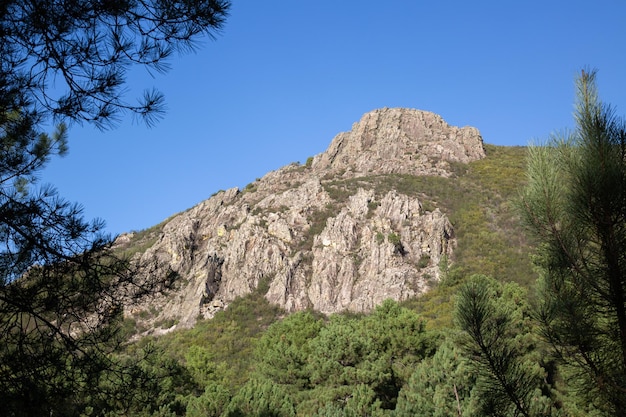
{"type": "Point", "coordinates": [424, 261]}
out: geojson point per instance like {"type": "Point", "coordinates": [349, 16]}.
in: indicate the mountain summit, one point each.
{"type": "Point", "coordinates": [331, 235]}
{"type": "Point", "coordinates": [401, 141]}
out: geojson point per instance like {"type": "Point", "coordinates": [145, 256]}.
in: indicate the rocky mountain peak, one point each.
{"type": "Point", "coordinates": [331, 235]}
{"type": "Point", "coordinates": [398, 140]}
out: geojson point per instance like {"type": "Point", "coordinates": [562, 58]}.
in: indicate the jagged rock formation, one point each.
{"type": "Point", "coordinates": [400, 141]}
{"type": "Point", "coordinates": [319, 236]}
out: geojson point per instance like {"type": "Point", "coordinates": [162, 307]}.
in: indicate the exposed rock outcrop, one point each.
{"type": "Point", "coordinates": [319, 236]}
{"type": "Point", "coordinates": [400, 141]}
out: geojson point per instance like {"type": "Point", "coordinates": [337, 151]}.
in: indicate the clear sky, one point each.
{"type": "Point", "coordinates": [284, 77]}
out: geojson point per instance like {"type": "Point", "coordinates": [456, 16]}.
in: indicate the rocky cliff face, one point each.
{"type": "Point", "coordinates": [400, 141]}
{"type": "Point", "coordinates": [319, 235]}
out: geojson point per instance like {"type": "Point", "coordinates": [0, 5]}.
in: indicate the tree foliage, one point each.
{"type": "Point", "coordinates": [283, 351]}
{"type": "Point", "coordinates": [62, 289]}
{"type": "Point", "coordinates": [70, 58]}
{"type": "Point", "coordinates": [57, 281]}
{"type": "Point", "coordinates": [575, 204]}
{"type": "Point", "coordinates": [440, 385]}
{"type": "Point", "coordinates": [346, 364]}
{"type": "Point", "coordinates": [498, 339]}
{"type": "Point", "coordinates": [261, 398]}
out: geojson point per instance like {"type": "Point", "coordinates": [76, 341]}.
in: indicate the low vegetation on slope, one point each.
{"type": "Point", "coordinates": [479, 200]}
{"type": "Point", "coordinates": [253, 359]}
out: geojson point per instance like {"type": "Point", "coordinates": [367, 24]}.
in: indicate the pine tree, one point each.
{"type": "Point", "coordinates": [261, 398]}
{"type": "Point", "coordinates": [497, 338]}
{"type": "Point", "coordinates": [62, 287]}
{"type": "Point", "coordinates": [440, 386]}
{"type": "Point", "coordinates": [60, 282]}
{"type": "Point", "coordinates": [575, 205]}
{"type": "Point", "coordinates": [84, 49]}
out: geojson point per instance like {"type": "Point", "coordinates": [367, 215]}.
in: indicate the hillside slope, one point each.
{"type": "Point", "coordinates": [392, 207]}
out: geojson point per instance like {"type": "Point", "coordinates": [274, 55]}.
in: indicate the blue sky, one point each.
{"type": "Point", "coordinates": [284, 77]}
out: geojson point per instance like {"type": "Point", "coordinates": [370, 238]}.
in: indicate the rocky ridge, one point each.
{"type": "Point", "coordinates": [317, 235]}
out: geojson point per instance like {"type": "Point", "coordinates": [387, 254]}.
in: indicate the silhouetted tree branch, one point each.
{"type": "Point", "coordinates": [62, 285]}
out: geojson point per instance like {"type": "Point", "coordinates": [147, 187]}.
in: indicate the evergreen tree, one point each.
{"type": "Point", "coordinates": [361, 403]}
{"type": "Point", "coordinates": [260, 398]}
{"type": "Point", "coordinates": [60, 284]}
{"type": "Point", "coordinates": [498, 339]}
{"type": "Point", "coordinates": [85, 48]}
{"type": "Point", "coordinates": [376, 353]}
{"type": "Point", "coordinates": [212, 402]}
{"type": "Point", "coordinates": [575, 204]}
{"type": "Point", "coordinates": [283, 351]}
{"type": "Point", "coordinates": [440, 386]}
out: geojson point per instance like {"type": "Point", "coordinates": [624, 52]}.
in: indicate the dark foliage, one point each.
{"type": "Point", "coordinates": [62, 289]}
{"type": "Point", "coordinates": [575, 205]}
{"type": "Point", "coordinates": [70, 58]}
